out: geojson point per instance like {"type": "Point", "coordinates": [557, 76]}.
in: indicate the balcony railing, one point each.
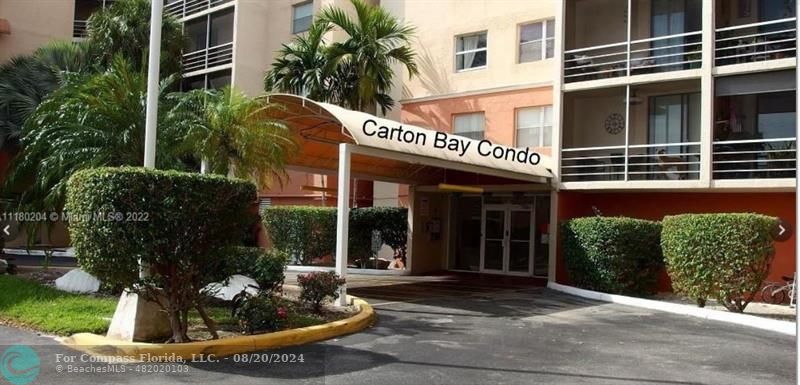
{"type": "Point", "coordinates": [185, 8]}
{"type": "Point", "coordinates": [79, 29]}
{"type": "Point", "coordinates": [663, 161]}
{"type": "Point", "coordinates": [208, 58]}
{"type": "Point", "coordinates": [757, 158]}
{"type": "Point", "coordinates": [756, 42]}
{"type": "Point", "coordinates": [651, 55]}
{"type": "Point", "coordinates": [731, 159]}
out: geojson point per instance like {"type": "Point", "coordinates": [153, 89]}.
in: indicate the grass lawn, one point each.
{"type": "Point", "coordinates": [27, 303]}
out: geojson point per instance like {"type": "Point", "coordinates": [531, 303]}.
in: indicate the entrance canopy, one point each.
{"type": "Point", "coordinates": [392, 151]}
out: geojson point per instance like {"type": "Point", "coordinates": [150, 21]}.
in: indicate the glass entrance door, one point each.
{"type": "Point", "coordinates": [519, 241]}
{"type": "Point", "coordinates": [507, 245]}
{"type": "Point", "coordinates": [493, 248]}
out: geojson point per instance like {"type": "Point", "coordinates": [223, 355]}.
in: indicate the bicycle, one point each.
{"type": "Point", "coordinates": [775, 293]}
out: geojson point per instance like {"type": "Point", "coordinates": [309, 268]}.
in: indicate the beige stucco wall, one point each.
{"type": "Point", "coordinates": [262, 27]}
{"type": "Point", "coordinates": [34, 23]}
{"type": "Point", "coordinates": [439, 22]}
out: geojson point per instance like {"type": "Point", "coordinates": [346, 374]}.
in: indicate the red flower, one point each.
{"type": "Point", "coordinates": [282, 313]}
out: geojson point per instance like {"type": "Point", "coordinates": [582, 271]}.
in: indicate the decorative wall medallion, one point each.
{"type": "Point", "coordinates": [615, 123]}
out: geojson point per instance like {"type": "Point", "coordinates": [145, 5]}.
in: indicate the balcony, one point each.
{"type": "Point", "coordinates": [652, 132]}
{"type": "Point", "coordinates": [661, 143]}
{"type": "Point", "coordinates": [754, 31]}
{"type": "Point", "coordinates": [652, 55]}
{"type": "Point", "coordinates": [756, 42]}
{"type": "Point", "coordinates": [84, 9]}
{"type": "Point", "coordinates": [757, 158]}
{"type": "Point", "coordinates": [754, 126]}
{"type": "Point", "coordinates": [79, 29]}
{"type": "Point", "coordinates": [186, 8]}
{"type": "Point", "coordinates": [207, 58]}
{"type": "Point", "coordinates": [601, 43]}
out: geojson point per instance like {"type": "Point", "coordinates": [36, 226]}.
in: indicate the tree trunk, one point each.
{"type": "Point", "coordinates": [185, 324]}
{"type": "Point", "coordinates": [177, 328]}
{"type": "Point", "coordinates": [204, 165]}
{"type": "Point", "coordinates": [212, 326]}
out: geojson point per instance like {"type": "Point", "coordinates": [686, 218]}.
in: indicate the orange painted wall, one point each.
{"type": "Point", "coordinates": [499, 109]}
{"type": "Point", "coordinates": [655, 206]}
{"type": "Point", "coordinates": [291, 193]}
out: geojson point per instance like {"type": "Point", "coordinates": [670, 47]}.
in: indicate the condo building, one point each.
{"type": "Point", "coordinates": [642, 108]}
{"type": "Point", "coordinates": [647, 108]}
{"type": "Point", "coordinates": [668, 107]}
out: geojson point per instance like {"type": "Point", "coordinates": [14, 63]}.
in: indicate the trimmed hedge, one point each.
{"type": "Point", "coordinates": [391, 223]}
{"type": "Point", "coordinates": [307, 233]}
{"type": "Point", "coordinates": [613, 254]}
{"type": "Point", "coordinates": [180, 225]}
{"type": "Point", "coordinates": [720, 256]}
{"type": "Point", "coordinates": [302, 232]}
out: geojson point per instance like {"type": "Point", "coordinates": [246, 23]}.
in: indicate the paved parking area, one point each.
{"type": "Point", "coordinates": [493, 333]}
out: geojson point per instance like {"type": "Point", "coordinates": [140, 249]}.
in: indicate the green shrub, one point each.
{"type": "Point", "coordinates": [613, 254]}
{"type": "Point", "coordinates": [319, 286]}
{"type": "Point", "coordinates": [390, 223]}
{"type": "Point", "coordinates": [259, 313]}
{"type": "Point", "coordinates": [303, 232]}
{"type": "Point", "coordinates": [180, 225]}
{"type": "Point", "coordinates": [720, 256]}
{"type": "Point", "coordinates": [266, 267]}
{"type": "Point", "coordinates": [306, 233]}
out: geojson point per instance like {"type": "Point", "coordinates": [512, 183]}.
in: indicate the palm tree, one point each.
{"type": "Point", "coordinates": [67, 57]}
{"type": "Point", "coordinates": [375, 41]}
{"type": "Point", "coordinates": [24, 82]}
{"type": "Point", "coordinates": [298, 67]}
{"type": "Point", "coordinates": [124, 29]}
{"type": "Point", "coordinates": [27, 80]}
{"type": "Point", "coordinates": [233, 135]}
{"type": "Point", "coordinates": [90, 122]}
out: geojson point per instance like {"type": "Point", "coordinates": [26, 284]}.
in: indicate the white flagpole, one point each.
{"type": "Point", "coordinates": [153, 74]}
{"type": "Point", "coordinates": [154, 60]}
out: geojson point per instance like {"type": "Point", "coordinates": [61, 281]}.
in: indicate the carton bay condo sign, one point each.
{"type": "Point", "coordinates": [441, 141]}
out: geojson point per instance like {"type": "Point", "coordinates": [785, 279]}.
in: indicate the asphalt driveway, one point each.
{"type": "Point", "coordinates": [490, 334]}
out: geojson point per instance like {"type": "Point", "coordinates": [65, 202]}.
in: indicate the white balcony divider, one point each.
{"type": "Point", "coordinates": [79, 29]}
{"type": "Point", "coordinates": [208, 58]}
{"type": "Point", "coordinates": [768, 40]}
{"type": "Point", "coordinates": [662, 161]}
{"type": "Point", "coordinates": [657, 54]}
{"type": "Point", "coordinates": [185, 8]}
{"type": "Point", "coordinates": [756, 158]}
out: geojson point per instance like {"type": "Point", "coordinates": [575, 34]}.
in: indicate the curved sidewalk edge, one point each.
{"type": "Point", "coordinates": [783, 327]}
{"type": "Point", "coordinates": [102, 346]}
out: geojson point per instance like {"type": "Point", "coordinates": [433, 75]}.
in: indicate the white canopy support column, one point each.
{"type": "Point", "coordinates": [343, 218]}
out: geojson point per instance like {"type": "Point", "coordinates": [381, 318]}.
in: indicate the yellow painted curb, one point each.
{"type": "Point", "coordinates": [103, 346]}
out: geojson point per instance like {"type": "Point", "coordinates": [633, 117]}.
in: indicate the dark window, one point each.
{"type": "Point", "coordinates": [471, 51]}
{"type": "Point", "coordinates": [193, 83]}
{"type": "Point", "coordinates": [302, 14]}
{"type": "Point", "coordinates": [196, 32]}
{"type": "Point", "coordinates": [221, 28]}
{"type": "Point", "coordinates": [219, 79]}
